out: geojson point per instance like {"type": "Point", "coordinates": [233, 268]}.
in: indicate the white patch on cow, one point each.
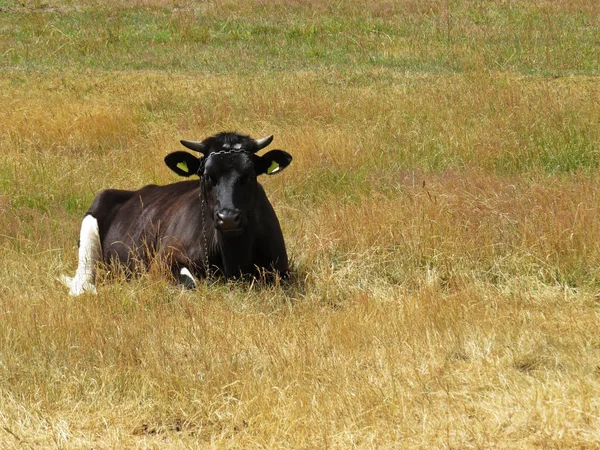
{"type": "Point", "coordinates": [90, 251]}
{"type": "Point", "coordinates": [237, 146]}
{"type": "Point", "coordinates": [184, 272]}
{"type": "Point", "coordinates": [226, 146]}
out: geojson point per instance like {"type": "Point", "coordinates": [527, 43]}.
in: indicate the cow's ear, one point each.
{"type": "Point", "coordinates": [273, 162]}
{"type": "Point", "coordinates": [182, 163]}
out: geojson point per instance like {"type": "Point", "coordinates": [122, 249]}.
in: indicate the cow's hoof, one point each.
{"type": "Point", "coordinates": [77, 287]}
{"type": "Point", "coordinates": [186, 279]}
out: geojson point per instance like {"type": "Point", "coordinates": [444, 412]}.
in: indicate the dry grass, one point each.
{"type": "Point", "coordinates": [443, 228]}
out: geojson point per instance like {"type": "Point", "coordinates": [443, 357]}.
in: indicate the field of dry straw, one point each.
{"type": "Point", "coordinates": [442, 214]}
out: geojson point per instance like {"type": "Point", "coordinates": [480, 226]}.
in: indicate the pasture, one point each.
{"type": "Point", "coordinates": [441, 213]}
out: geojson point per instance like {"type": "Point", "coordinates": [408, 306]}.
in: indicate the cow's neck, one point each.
{"type": "Point", "coordinates": [235, 253]}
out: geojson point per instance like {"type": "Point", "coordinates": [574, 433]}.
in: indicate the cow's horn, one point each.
{"type": "Point", "coordinates": [197, 146]}
{"type": "Point", "coordinates": [262, 143]}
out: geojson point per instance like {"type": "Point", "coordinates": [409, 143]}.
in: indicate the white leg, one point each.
{"type": "Point", "coordinates": [90, 251]}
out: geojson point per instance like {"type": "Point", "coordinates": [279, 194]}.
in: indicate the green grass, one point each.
{"type": "Point", "coordinates": [435, 37]}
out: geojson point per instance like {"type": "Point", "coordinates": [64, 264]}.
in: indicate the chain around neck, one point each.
{"type": "Point", "coordinates": [204, 232]}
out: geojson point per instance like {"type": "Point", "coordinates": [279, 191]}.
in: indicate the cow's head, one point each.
{"type": "Point", "coordinates": [228, 170]}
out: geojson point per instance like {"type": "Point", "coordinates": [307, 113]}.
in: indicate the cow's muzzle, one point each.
{"type": "Point", "coordinates": [229, 221]}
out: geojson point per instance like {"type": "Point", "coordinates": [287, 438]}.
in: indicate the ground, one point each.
{"type": "Point", "coordinates": [441, 215]}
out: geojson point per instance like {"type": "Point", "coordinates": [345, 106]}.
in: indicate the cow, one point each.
{"type": "Point", "coordinates": [220, 224]}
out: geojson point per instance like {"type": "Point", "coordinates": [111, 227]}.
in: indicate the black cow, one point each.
{"type": "Point", "coordinates": [222, 223]}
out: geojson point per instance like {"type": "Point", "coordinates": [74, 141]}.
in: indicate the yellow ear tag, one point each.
{"type": "Point", "coordinates": [273, 168]}
{"type": "Point", "coordinates": [183, 166]}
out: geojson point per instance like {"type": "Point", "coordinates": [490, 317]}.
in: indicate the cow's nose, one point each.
{"type": "Point", "coordinates": [228, 220]}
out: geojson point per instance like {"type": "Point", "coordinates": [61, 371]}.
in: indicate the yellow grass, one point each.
{"type": "Point", "coordinates": [443, 231]}
{"type": "Point", "coordinates": [431, 310]}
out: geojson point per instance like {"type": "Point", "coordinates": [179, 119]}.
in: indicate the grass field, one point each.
{"type": "Point", "coordinates": [442, 214]}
